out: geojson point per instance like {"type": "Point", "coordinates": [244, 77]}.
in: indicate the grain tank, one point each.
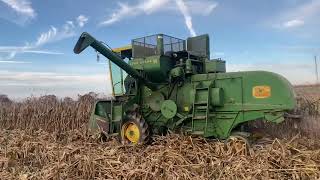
{"type": "Point", "coordinates": [161, 83]}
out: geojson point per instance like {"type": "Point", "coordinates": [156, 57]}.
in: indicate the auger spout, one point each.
{"type": "Point", "coordinates": [86, 40]}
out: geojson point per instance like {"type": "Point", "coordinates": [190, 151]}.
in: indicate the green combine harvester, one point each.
{"type": "Point", "coordinates": [161, 83]}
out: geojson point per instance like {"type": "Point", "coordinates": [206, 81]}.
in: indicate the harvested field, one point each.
{"type": "Point", "coordinates": [46, 138]}
{"type": "Point", "coordinates": [43, 155]}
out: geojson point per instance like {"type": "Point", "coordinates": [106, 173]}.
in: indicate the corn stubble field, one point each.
{"type": "Point", "coordinates": [46, 138]}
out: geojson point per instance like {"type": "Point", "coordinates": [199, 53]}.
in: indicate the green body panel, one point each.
{"type": "Point", "coordinates": [238, 87]}
{"type": "Point", "coordinates": [188, 92]}
{"type": "Point", "coordinates": [216, 66]}
{"type": "Point", "coordinates": [231, 102]}
{"type": "Point", "coordinates": [155, 67]}
{"type": "Point", "coordinates": [240, 105]}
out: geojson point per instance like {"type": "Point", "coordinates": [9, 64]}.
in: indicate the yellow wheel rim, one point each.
{"type": "Point", "coordinates": [131, 132]}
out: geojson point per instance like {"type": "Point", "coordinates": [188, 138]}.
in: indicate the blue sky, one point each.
{"type": "Point", "coordinates": [37, 38]}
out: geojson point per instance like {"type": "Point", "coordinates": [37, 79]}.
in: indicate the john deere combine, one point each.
{"type": "Point", "coordinates": [161, 83]}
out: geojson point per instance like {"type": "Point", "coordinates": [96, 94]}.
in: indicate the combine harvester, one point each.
{"type": "Point", "coordinates": [161, 83]}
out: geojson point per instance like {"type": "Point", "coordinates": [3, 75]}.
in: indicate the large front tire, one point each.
{"type": "Point", "coordinates": [134, 129]}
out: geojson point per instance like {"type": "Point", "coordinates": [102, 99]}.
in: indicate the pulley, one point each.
{"type": "Point", "coordinates": [168, 109]}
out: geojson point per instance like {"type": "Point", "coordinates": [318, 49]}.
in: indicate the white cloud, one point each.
{"type": "Point", "coordinates": [46, 36]}
{"type": "Point", "coordinates": [123, 12]}
{"type": "Point", "coordinates": [22, 7]}
{"type": "Point", "coordinates": [151, 6]}
{"type": "Point", "coordinates": [52, 35]}
{"type": "Point", "coordinates": [11, 55]}
{"type": "Point", "coordinates": [293, 23]}
{"type": "Point", "coordinates": [187, 17]}
{"type": "Point", "coordinates": [299, 16]}
{"type": "Point", "coordinates": [55, 34]}
{"type": "Point", "coordinates": [82, 20]}
{"type": "Point", "coordinates": [187, 8]}
{"type": "Point", "coordinates": [15, 62]}
{"type": "Point", "coordinates": [307, 10]}
{"type": "Point", "coordinates": [204, 7]}
{"type": "Point", "coordinates": [42, 52]}
{"type": "Point", "coordinates": [13, 50]}
{"type": "Point", "coordinates": [71, 24]}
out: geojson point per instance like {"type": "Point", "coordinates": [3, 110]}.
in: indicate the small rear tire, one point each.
{"type": "Point", "coordinates": [238, 143]}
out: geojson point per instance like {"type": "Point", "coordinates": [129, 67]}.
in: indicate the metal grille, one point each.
{"type": "Point", "coordinates": [172, 44]}
{"type": "Point", "coordinates": [147, 46]}
{"type": "Point", "coordinates": [143, 47]}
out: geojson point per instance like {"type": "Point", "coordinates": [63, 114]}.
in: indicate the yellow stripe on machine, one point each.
{"type": "Point", "coordinates": [124, 48]}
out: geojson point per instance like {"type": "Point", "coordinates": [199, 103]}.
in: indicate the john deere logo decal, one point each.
{"type": "Point", "coordinates": [261, 91]}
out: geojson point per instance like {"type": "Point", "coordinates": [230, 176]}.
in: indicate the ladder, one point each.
{"type": "Point", "coordinates": [200, 110]}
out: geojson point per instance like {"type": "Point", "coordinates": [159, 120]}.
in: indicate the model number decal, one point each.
{"type": "Point", "coordinates": [261, 91]}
